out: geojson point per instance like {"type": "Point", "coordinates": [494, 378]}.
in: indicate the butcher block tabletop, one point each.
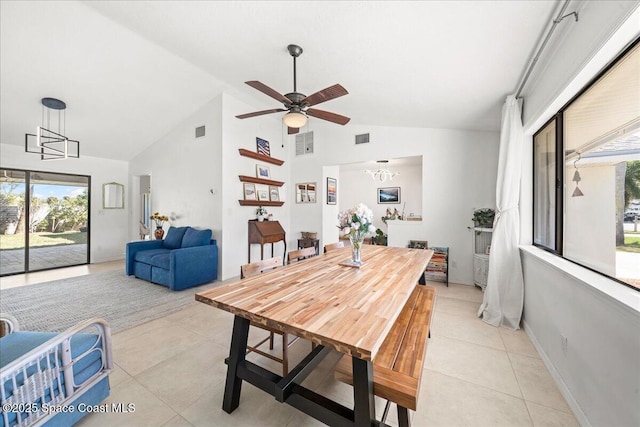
{"type": "Point", "coordinates": [345, 308]}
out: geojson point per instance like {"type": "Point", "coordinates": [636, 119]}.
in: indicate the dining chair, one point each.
{"type": "Point", "coordinates": [301, 254]}
{"type": "Point", "coordinates": [254, 269]}
{"type": "Point", "coordinates": [332, 246]}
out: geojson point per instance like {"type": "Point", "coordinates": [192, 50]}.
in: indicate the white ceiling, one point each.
{"type": "Point", "coordinates": [131, 71]}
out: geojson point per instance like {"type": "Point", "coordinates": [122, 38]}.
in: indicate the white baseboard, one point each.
{"type": "Point", "coordinates": [564, 390]}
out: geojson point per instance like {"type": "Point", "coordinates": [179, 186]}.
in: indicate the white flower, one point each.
{"type": "Point", "coordinates": [372, 229]}
{"type": "Point", "coordinates": [346, 230]}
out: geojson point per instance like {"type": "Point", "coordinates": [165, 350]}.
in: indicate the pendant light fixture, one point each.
{"type": "Point", "coordinates": [381, 173]}
{"type": "Point", "coordinates": [49, 144]}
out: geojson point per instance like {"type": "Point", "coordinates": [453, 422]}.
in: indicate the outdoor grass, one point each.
{"type": "Point", "coordinates": [631, 244]}
{"type": "Point", "coordinates": [36, 240]}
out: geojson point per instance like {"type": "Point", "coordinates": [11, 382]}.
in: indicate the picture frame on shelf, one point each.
{"type": "Point", "coordinates": [274, 193]}
{"type": "Point", "coordinates": [332, 191]}
{"type": "Point", "coordinates": [263, 172]}
{"type": "Point", "coordinates": [249, 191]}
{"type": "Point", "coordinates": [263, 195]}
{"type": "Point", "coordinates": [262, 147]}
{"type": "Point", "coordinates": [388, 195]}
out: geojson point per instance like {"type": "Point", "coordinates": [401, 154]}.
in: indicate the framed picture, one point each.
{"type": "Point", "coordinates": [263, 172]}
{"type": "Point", "coordinates": [389, 195]}
{"type": "Point", "coordinates": [263, 195]}
{"type": "Point", "coordinates": [263, 147]}
{"type": "Point", "coordinates": [311, 192]}
{"type": "Point", "coordinates": [306, 192]}
{"type": "Point", "coordinates": [274, 193]}
{"type": "Point", "coordinates": [249, 191]}
{"type": "Point", "coordinates": [332, 191]}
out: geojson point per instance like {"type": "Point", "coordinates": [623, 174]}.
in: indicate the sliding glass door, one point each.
{"type": "Point", "coordinates": [13, 188]}
{"type": "Point", "coordinates": [51, 229]}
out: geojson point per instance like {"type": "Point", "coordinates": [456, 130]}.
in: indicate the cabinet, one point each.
{"type": "Point", "coordinates": [263, 232]}
{"type": "Point", "coordinates": [482, 247]}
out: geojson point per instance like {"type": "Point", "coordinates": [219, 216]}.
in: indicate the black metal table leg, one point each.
{"type": "Point", "coordinates": [403, 417]}
{"type": "Point", "coordinates": [364, 403]}
{"type": "Point", "coordinates": [233, 384]}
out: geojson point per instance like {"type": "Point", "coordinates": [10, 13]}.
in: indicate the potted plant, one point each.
{"type": "Point", "coordinates": [261, 213]}
{"type": "Point", "coordinates": [380, 238]}
{"type": "Point", "coordinates": [483, 218]}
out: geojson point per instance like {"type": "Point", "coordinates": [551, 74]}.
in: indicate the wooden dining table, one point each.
{"type": "Point", "coordinates": [337, 307]}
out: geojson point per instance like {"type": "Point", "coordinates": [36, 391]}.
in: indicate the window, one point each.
{"type": "Point", "coordinates": [587, 175]}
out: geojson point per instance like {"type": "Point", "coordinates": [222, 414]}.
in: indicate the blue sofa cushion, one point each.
{"type": "Point", "coordinates": [173, 240]}
{"type": "Point", "coordinates": [193, 237]}
{"type": "Point", "coordinates": [161, 260]}
{"type": "Point", "coordinates": [147, 256]}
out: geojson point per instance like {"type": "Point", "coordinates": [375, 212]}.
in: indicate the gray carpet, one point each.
{"type": "Point", "coordinates": [123, 301]}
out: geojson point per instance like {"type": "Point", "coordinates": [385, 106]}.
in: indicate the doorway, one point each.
{"type": "Point", "coordinates": [44, 220]}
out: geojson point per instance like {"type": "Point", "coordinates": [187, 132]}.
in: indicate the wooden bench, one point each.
{"type": "Point", "coordinates": [397, 367]}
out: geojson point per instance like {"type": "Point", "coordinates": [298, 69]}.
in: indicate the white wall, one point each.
{"type": "Point", "coordinates": [599, 375]}
{"type": "Point", "coordinates": [358, 187]}
{"type": "Point", "coordinates": [600, 372]}
{"type": "Point", "coordinates": [184, 171]}
{"type": "Point", "coordinates": [109, 227]}
{"type": "Point", "coordinates": [242, 134]}
{"type": "Point", "coordinates": [572, 47]}
{"type": "Point", "coordinates": [329, 221]}
{"type": "Point", "coordinates": [458, 174]}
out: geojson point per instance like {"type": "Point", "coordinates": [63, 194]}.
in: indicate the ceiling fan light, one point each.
{"type": "Point", "coordinates": [295, 119]}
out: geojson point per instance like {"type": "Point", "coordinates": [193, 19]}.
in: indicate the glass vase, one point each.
{"type": "Point", "coordinates": [159, 233]}
{"type": "Point", "coordinates": [356, 247]}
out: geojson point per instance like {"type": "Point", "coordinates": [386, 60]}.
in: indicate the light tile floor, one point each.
{"type": "Point", "coordinates": [172, 369]}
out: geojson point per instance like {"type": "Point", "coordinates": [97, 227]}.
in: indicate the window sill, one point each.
{"type": "Point", "coordinates": [623, 294]}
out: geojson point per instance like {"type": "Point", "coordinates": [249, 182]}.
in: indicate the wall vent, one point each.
{"type": "Point", "coordinates": [362, 139]}
{"type": "Point", "coordinates": [304, 143]}
{"type": "Point", "coordinates": [200, 132]}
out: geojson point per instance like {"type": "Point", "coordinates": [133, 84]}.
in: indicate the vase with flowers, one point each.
{"type": "Point", "coordinates": [261, 213]}
{"type": "Point", "coordinates": [356, 223]}
{"type": "Point", "coordinates": [159, 220]}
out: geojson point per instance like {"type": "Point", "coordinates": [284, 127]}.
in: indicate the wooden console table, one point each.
{"type": "Point", "coordinates": [262, 232]}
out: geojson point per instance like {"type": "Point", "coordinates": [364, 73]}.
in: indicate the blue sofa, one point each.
{"type": "Point", "coordinates": [186, 257]}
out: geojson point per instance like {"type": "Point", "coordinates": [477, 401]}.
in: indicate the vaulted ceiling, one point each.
{"type": "Point", "coordinates": [131, 71]}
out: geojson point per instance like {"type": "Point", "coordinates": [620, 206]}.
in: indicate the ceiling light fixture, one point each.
{"type": "Point", "coordinates": [382, 174]}
{"type": "Point", "coordinates": [48, 144]}
{"type": "Point", "coordinates": [295, 118]}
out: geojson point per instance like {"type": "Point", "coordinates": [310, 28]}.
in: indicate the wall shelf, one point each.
{"type": "Point", "coordinates": [245, 178]}
{"type": "Point", "coordinates": [259, 203]}
{"type": "Point", "coordinates": [261, 157]}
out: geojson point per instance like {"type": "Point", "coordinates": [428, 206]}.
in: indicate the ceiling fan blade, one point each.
{"type": "Point", "coordinates": [327, 94]}
{"type": "Point", "coordinates": [331, 117]}
{"type": "Point", "coordinates": [260, 113]}
{"type": "Point", "coordinates": [292, 131]}
{"type": "Point", "coordinates": [268, 91]}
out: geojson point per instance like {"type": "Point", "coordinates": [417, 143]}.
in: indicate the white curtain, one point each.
{"type": "Point", "coordinates": [504, 294]}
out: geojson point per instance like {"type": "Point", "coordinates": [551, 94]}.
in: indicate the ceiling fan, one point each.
{"type": "Point", "coordinates": [297, 104]}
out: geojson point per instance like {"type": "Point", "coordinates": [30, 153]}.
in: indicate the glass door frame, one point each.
{"type": "Point", "coordinates": [27, 208]}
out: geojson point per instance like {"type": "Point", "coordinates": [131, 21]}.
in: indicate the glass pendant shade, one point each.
{"type": "Point", "coordinates": [294, 119]}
